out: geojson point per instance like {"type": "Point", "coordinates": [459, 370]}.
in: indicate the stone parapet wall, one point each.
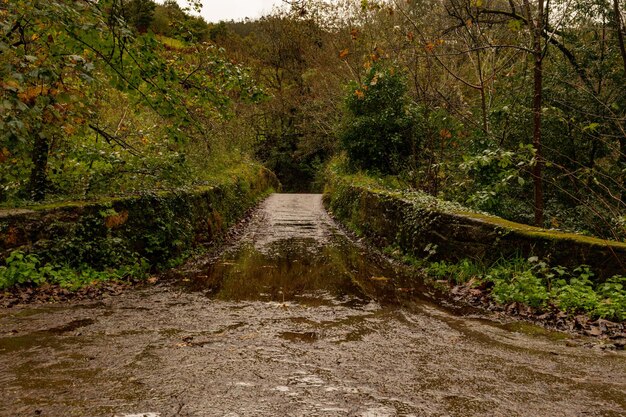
{"type": "Point", "coordinates": [423, 226]}
{"type": "Point", "coordinates": [157, 227]}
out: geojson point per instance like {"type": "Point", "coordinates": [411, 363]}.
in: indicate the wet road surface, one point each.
{"type": "Point", "coordinates": [293, 320]}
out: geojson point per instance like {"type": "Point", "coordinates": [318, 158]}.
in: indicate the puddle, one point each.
{"type": "Point", "coordinates": [308, 337]}
{"type": "Point", "coordinates": [139, 415]}
{"type": "Point", "coordinates": [71, 326]}
{"type": "Point", "coordinates": [300, 270]}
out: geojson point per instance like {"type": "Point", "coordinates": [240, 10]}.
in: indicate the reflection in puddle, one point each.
{"type": "Point", "coordinates": [301, 271]}
{"type": "Point", "coordinates": [308, 337]}
{"type": "Point", "coordinates": [43, 338]}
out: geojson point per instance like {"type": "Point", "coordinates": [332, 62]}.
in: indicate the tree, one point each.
{"type": "Point", "coordinates": [380, 130]}
{"type": "Point", "coordinates": [139, 13]}
{"type": "Point", "coordinates": [66, 65]}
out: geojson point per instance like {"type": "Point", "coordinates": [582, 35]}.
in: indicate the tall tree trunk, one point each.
{"type": "Point", "coordinates": [619, 26]}
{"type": "Point", "coordinates": [617, 15]}
{"type": "Point", "coordinates": [483, 98]}
{"type": "Point", "coordinates": [39, 172]}
{"type": "Point", "coordinates": [537, 170]}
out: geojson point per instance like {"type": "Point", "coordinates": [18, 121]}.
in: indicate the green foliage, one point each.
{"type": "Point", "coordinates": [139, 13]}
{"type": "Point", "coordinates": [516, 282]}
{"type": "Point", "coordinates": [612, 298]}
{"type": "Point", "coordinates": [28, 270]}
{"type": "Point", "coordinates": [492, 180]}
{"type": "Point", "coordinates": [380, 130]}
{"type": "Point", "coordinates": [169, 19]}
{"type": "Point", "coordinates": [534, 283]}
{"type": "Point", "coordinates": [20, 269]}
{"type": "Point", "coordinates": [459, 273]}
{"type": "Point", "coordinates": [91, 107]}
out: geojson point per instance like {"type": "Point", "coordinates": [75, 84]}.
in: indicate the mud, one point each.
{"type": "Point", "coordinates": [294, 319]}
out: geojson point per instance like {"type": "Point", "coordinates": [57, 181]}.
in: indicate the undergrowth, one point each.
{"type": "Point", "coordinates": [535, 283]}
{"type": "Point", "coordinates": [27, 270]}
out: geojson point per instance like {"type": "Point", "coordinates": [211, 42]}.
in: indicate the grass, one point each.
{"type": "Point", "coordinates": [171, 42]}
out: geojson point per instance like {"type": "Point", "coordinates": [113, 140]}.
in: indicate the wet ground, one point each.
{"type": "Point", "coordinates": [293, 320]}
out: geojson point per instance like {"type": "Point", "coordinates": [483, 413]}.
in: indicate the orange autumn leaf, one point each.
{"type": "Point", "coordinates": [359, 94]}
{"type": "Point", "coordinates": [4, 155]}
{"type": "Point", "coordinates": [69, 129]}
{"type": "Point", "coordinates": [12, 85]}
{"type": "Point", "coordinates": [344, 53]}
{"type": "Point", "coordinates": [30, 94]}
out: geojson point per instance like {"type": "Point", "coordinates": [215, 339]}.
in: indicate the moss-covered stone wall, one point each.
{"type": "Point", "coordinates": [157, 227]}
{"type": "Point", "coordinates": [424, 226]}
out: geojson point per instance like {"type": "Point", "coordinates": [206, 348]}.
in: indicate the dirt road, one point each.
{"type": "Point", "coordinates": [293, 320]}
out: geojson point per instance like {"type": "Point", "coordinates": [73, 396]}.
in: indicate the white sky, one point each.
{"type": "Point", "coordinates": [216, 10]}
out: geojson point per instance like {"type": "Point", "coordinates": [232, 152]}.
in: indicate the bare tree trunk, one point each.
{"type": "Point", "coordinates": [483, 98]}
{"type": "Point", "coordinates": [537, 169]}
{"type": "Point", "coordinates": [619, 25]}
{"type": "Point", "coordinates": [620, 32]}
{"type": "Point", "coordinates": [38, 174]}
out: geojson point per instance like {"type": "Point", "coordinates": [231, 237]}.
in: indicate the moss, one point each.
{"type": "Point", "coordinates": [424, 226]}
{"type": "Point", "coordinates": [537, 232]}
{"type": "Point", "coordinates": [156, 226]}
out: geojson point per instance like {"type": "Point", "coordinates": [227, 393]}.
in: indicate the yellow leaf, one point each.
{"type": "Point", "coordinates": [11, 85]}
{"type": "Point", "coordinates": [69, 130]}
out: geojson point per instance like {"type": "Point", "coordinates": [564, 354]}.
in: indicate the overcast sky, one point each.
{"type": "Point", "coordinates": [216, 10]}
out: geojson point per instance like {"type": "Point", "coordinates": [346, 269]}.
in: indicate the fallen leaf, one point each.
{"type": "Point", "coordinates": [384, 279]}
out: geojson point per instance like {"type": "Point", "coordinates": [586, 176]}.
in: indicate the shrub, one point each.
{"type": "Point", "coordinates": [381, 130]}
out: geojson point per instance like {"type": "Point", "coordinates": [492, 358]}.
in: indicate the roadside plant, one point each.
{"type": "Point", "coordinates": [22, 269]}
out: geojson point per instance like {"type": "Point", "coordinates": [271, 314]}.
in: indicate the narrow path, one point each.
{"type": "Point", "coordinates": [293, 320]}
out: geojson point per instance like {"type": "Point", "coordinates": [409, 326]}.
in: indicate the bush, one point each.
{"type": "Point", "coordinates": [27, 270]}
{"type": "Point", "coordinates": [534, 283]}
{"type": "Point", "coordinates": [381, 130]}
